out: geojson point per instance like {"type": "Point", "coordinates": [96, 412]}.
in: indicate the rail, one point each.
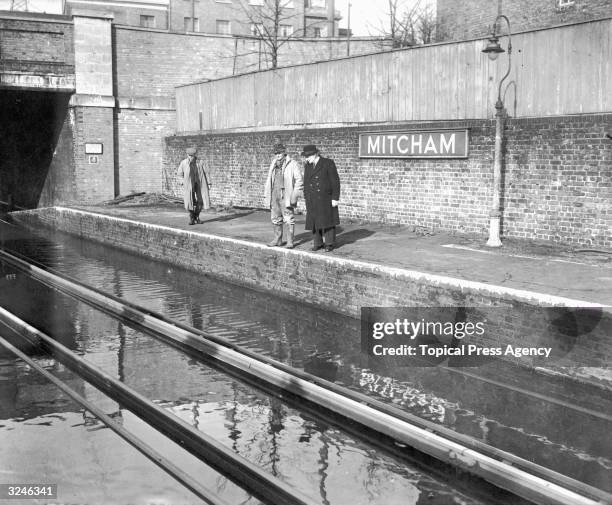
{"type": "Point", "coordinates": [504, 470]}
{"type": "Point", "coordinates": [194, 486]}
{"type": "Point", "coordinates": [267, 488]}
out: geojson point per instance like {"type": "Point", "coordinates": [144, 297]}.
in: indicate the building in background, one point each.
{"type": "Point", "coordinates": [144, 13]}
{"type": "Point", "coordinates": [299, 18]}
{"type": "Point", "coordinates": [471, 19]}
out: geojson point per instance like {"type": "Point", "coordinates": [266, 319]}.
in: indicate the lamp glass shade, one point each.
{"type": "Point", "coordinates": [493, 48]}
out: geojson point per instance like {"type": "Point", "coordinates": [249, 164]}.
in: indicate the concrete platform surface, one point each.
{"type": "Point", "coordinates": [578, 274]}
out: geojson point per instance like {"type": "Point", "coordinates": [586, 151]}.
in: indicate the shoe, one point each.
{"type": "Point", "coordinates": [278, 236]}
{"type": "Point", "coordinates": [317, 247]}
{"type": "Point", "coordinates": [329, 248]}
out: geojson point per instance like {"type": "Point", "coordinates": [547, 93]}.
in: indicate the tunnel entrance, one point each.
{"type": "Point", "coordinates": [31, 123]}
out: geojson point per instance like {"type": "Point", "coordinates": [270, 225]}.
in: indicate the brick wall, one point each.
{"type": "Point", "coordinates": [337, 284]}
{"type": "Point", "coordinates": [557, 180]}
{"type": "Point", "coordinates": [36, 40]}
{"type": "Point", "coordinates": [140, 146]}
{"type": "Point", "coordinates": [470, 19]}
{"type": "Point", "coordinates": [93, 181]}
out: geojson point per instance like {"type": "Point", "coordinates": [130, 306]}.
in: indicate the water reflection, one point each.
{"type": "Point", "coordinates": [553, 434]}
{"type": "Point", "coordinates": [260, 428]}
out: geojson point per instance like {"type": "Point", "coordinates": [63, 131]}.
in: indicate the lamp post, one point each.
{"type": "Point", "coordinates": [493, 50]}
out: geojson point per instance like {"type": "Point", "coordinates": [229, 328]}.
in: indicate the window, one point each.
{"type": "Point", "coordinates": [147, 21]}
{"type": "Point", "coordinates": [223, 27]}
{"type": "Point", "coordinates": [317, 4]}
{"type": "Point", "coordinates": [316, 32]}
{"type": "Point", "coordinates": [285, 30]}
{"type": "Point", "coordinates": [192, 25]}
{"type": "Point", "coordinates": [256, 29]}
{"type": "Point", "coordinates": [565, 3]}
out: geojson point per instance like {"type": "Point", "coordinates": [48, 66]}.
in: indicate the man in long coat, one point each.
{"type": "Point", "coordinates": [321, 194]}
{"type": "Point", "coordinates": [195, 185]}
{"type": "Point", "coordinates": [283, 187]}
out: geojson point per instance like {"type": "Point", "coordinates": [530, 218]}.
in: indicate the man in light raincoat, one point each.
{"type": "Point", "coordinates": [195, 185]}
{"type": "Point", "coordinates": [283, 187]}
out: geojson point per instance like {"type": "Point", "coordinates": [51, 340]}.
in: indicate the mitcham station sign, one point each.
{"type": "Point", "coordinates": [414, 144]}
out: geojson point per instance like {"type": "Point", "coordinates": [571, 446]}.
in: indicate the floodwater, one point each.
{"type": "Point", "coordinates": [568, 434]}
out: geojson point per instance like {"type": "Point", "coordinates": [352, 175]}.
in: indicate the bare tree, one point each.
{"type": "Point", "coordinates": [408, 23]}
{"type": "Point", "coordinates": [271, 22]}
{"type": "Point", "coordinates": [402, 23]}
{"type": "Point", "coordinates": [427, 26]}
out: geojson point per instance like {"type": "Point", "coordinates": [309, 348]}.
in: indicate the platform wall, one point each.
{"type": "Point", "coordinates": [557, 182]}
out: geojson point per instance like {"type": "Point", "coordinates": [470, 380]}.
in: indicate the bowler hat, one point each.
{"type": "Point", "coordinates": [309, 150]}
{"type": "Point", "coordinates": [191, 151]}
{"type": "Point", "coordinates": [279, 148]}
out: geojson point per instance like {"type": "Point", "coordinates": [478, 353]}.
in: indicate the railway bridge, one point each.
{"type": "Point", "coordinates": [55, 78]}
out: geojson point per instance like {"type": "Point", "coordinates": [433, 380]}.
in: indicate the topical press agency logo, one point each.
{"type": "Point", "coordinates": [469, 336]}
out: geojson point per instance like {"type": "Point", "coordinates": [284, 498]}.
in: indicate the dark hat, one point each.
{"type": "Point", "coordinates": [309, 150]}
{"type": "Point", "coordinates": [279, 148]}
{"type": "Point", "coordinates": [191, 151]}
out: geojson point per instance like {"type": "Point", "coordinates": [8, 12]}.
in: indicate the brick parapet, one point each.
{"type": "Point", "coordinates": [41, 41]}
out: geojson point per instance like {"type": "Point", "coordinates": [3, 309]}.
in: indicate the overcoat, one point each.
{"type": "Point", "coordinates": [321, 186]}
{"type": "Point", "coordinates": [195, 184]}
{"type": "Point", "coordinates": [292, 178]}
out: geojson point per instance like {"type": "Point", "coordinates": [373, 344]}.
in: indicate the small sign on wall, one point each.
{"type": "Point", "coordinates": [94, 148]}
{"type": "Point", "coordinates": [414, 144]}
{"type": "Point", "coordinates": [93, 159]}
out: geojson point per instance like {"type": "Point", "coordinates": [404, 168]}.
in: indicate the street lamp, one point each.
{"type": "Point", "coordinates": [493, 50]}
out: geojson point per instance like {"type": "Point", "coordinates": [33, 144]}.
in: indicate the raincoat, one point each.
{"type": "Point", "coordinates": [195, 185]}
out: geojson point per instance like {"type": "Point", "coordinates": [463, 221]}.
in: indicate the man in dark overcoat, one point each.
{"type": "Point", "coordinates": [321, 194]}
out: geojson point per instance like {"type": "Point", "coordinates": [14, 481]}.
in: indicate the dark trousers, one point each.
{"type": "Point", "coordinates": [328, 234]}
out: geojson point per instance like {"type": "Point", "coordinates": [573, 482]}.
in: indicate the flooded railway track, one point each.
{"type": "Point", "coordinates": [382, 425]}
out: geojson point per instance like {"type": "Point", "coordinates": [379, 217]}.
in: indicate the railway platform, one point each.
{"type": "Point", "coordinates": [577, 273]}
